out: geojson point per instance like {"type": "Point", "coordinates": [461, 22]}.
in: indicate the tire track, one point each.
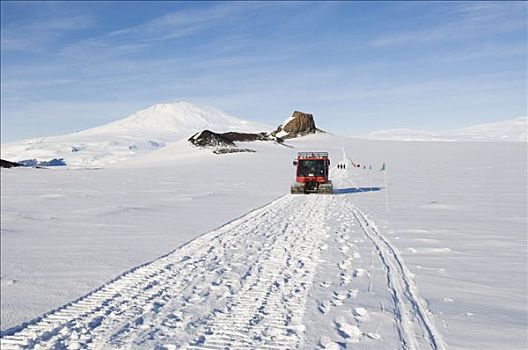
{"type": "Point", "coordinates": [258, 268]}
{"type": "Point", "coordinates": [241, 286]}
{"type": "Point", "coordinates": [117, 303]}
{"type": "Point", "coordinates": [413, 318]}
{"type": "Point", "coordinates": [268, 311]}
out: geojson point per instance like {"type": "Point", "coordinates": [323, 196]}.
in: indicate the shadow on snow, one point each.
{"type": "Point", "coordinates": [355, 190]}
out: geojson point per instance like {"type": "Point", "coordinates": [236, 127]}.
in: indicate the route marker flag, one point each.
{"type": "Point", "coordinates": [383, 167]}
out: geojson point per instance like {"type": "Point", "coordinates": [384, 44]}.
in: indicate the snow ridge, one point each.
{"type": "Point", "coordinates": [177, 118]}
{"type": "Point", "coordinates": [515, 130]}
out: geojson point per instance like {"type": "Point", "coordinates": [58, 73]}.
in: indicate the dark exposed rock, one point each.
{"type": "Point", "coordinates": [28, 162]}
{"type": "Point", "coordinates": [208, 138]}
{"type": "Point", "coordinates": [232, 150]}
{"type": "Point", "coordinates": [7, 164]}
{"type": "Point", "coordinates": [246, 137]}
{"type": "Point", "coordinates": [53, 162]}
{"type": "Point", "coordinates": [36, 163]}
{"type": "Point", "coordinates": [299, 124]}
{"type": "Point", "coordinates": [225, 142]}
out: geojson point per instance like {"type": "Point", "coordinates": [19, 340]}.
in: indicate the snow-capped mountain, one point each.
{"type": "Point", "coordinates": [141, 132]}
{"type": "Point", "coordinates": [514, 130]}
{"type": "Point", "coordinates": [175, 121]}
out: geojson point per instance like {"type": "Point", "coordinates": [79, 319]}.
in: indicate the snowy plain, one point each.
{"type": "Point", "coordinates": [444, 267]}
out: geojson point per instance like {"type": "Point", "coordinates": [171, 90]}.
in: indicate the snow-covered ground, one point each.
{"type": "Point", "coordinates": [142, 132]}
{"type": "Point", "coordinates": [445, 267]}
{"type": "Point", "coordinates": [514, 130]}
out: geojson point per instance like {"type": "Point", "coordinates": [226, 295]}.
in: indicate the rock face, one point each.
{"type": "Point", "coordinates": [28, 162]}
{"type": "Point", "coordinates": [53, 162]}
{"type": "Point", "coordinates": [7, 164]}
{"type": "Point", "coordinates": [207, 138]}
{"type": "Point", "coordinates": [35, 163]}
{"type": "Point", "coordinates": [225, 143]}
{"type": "Point", "coordinates": [232, 150]}
{"type": "Point", "coordinates": [299, 124]}
{"type": "Point", "coordinates": [247, 137]}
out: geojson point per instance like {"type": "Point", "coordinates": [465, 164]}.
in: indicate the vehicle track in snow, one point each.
{"type": "Point", "coordinates": [242, 286]}
{"type": "Point", "coordinates": [413, 319]}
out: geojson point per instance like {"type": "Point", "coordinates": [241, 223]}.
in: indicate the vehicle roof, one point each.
{"type": "Point", "coordinates": [312, 155]}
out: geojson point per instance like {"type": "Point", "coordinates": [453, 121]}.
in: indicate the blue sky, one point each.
{"type": "Point", "coordinates": [357, 66]}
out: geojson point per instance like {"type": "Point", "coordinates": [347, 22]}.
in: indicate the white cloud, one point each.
{"type": "Point", "coordinates": [173, 25]}
{"type": "Point", "coordinates": [463, 21]}
{"type": "Point", "coordinates": [38, 34]}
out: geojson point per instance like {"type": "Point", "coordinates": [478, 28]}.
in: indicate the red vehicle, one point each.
{"type": "Point", "coordinates": [312, 173]}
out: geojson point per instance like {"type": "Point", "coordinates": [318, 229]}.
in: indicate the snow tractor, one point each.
{"type": "Point", "coordinates": [312, 173]}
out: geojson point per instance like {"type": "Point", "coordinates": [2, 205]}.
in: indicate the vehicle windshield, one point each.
{"type": "Point", "coordinates": [310, 168]}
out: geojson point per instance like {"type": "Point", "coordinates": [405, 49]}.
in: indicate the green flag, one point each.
{"type": "Point", "coordinates": [383, 167]}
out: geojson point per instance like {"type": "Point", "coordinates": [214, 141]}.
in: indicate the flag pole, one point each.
{"type": "Point", "coordinates": [385, 175]}
{"type": "Point", "coordinates": [370, 177]}
{"type": "Point", "coordinates": [386, 191]}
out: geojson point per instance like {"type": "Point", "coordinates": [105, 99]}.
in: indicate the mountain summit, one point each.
{"type": "Point", "coordinates": [141, 132]}
{"type": "Point", "coordinates": [176, 120]}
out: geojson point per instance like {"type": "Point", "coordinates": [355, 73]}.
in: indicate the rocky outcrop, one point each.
{"type": "Point", "coordinates": [247, 137]}
{"type": "Point", "coordinates": [225, 143]}
{"type": "Point", "coordinates": [7, 164]}
{"type": "Point", "coordinates": [28, 162]}
{"type": "Point", "coordinates": [233, 150]}
{"type": "Point", "coordinates": [207, 138]}
{"type": "Point", "coordinates": [299, 124]}
{"type": "Point", "coordinates": [53, 162]}
{"type": "Point", "coordinates": [35, 163]}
